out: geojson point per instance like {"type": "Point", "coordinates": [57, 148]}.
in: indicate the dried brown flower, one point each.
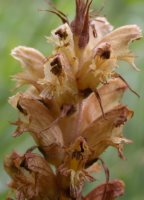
{"type": "Point", "coordinates": [72, 109]}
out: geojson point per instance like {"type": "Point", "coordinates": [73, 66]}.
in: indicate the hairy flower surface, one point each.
{"type": "Point", "coordinates": [72, 108]}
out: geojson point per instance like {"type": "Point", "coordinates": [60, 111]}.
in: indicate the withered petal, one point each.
{"type": "Point", "coordinates": [72, 174]}
{"type": "Point", "coordinates": [32, 63]}
{"type": "Point", "coordinates": [120, 39]}
{"type": "Point", "coordinates": [110, 93]}
{"type": "Point", "coordinates": [114, 189]}
{"type": "Point", "coordinates": [21, 128]}
{"type": "Point", "coordinates": [62, 38]}
{"type": "Point", "coordinates": [39, 119]}
{"type": "Point", "coordinates": [99, 27]}
{"type": "Point", "coordinates": [59, 82]}
{"type": "Point", "coordinates": [32, 176]}
{"type": "Point", "coordinates": [103, 132]}
{"type": "Point", "coordinates": [37, 164]}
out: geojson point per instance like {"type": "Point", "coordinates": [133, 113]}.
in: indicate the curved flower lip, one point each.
{"type": "Point", "coordinates": [78, 73]}
{"type": "Point", "coordinates": [31, 176]}
{"type": "Point", "coordinates": [72, 171]}
{"type": "Point", "coordinates": [38, 118]}
{"type": "Point", "coordinates": [59, 82]}
{"type": "Point", "coordinates": [25, 54]}
{"type": "Point", "coordinates": [119, 40]}
{"type": "Point", "coordinates": [32, 63]}
{"type": "Point", "coordinates": [90, 121]}
{"type": "Point", "coordinates": [103, 133]}
{"type": "Point", "coordinates": [111, 95]}
{"type": "Point", "coordinates": [98, 68]}
{"type": "Point", "coordinates": [114, 189]}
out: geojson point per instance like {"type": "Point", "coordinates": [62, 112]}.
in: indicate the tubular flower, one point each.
{"type": "Point", "coordinates": [72, 109]}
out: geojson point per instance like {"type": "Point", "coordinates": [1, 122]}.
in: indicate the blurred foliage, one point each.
{"type": "Point", "coordinates": [22, 23]}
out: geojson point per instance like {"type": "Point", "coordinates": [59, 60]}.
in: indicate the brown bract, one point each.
{"type": "Point", "coordinates": [31, 176]}
{"type": "Point", "coordinates": [72, 108]}
{"type": "Point", "coordinates": [80, 25]}
{"type": "Point", "coordinates": [114, 189]}
{"type": "Point", "coordinates": [95, 134]}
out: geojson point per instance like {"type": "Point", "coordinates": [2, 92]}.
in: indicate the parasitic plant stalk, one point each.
{"type": "Point", "coordinates": [72, 109]}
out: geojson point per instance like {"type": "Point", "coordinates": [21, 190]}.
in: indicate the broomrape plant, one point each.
{"type": "Point", "coordinates": [72, 109]}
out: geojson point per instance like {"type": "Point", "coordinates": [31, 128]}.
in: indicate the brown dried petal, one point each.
{"type": "Point", "coordinates": [99, 27]}
{"type": "Point", "coordinates": [36, 164]}
{"type": "Point", "coordinates": [59, 83]}
{"type": "Point", "coordinates": [98, 68]}
{"type": "Point", "coordinates": [32, 176]}
{"type": "Point", "coordinates": [72, 174]}
{"type": "Point", "coordinates": [9, 164]}
{"type": "Point", "coordinates": [78, 154]}
{"type": "Point", "coordinates": [119, 40]}
{"type": "Point", "coordinates": [62, 37]}
{"type": "Point", "coordinates": [114, 189]}
{"type": "Point", "coordinates": [102, 25]}
{"type": "Point", "coordinates": [95, 68]}
{"type": "Point", "coordinates": [102, 132]}
{"type": "Point", "coordinates": [37, 121]}
{"type": "Point", "coordinates": [110, 94]}
{"type": "Point", "coordinates": [21, 128]}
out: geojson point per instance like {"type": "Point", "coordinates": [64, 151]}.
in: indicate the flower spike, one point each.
{"type": "Point", "coordinates": [72, 108]}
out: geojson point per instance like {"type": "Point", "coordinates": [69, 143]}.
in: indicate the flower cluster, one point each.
{"type": "Point", "coordinates": [72, 109]}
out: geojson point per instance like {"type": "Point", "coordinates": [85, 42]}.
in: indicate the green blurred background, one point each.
{"type": "Point", "coordinates": [21, 23]}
